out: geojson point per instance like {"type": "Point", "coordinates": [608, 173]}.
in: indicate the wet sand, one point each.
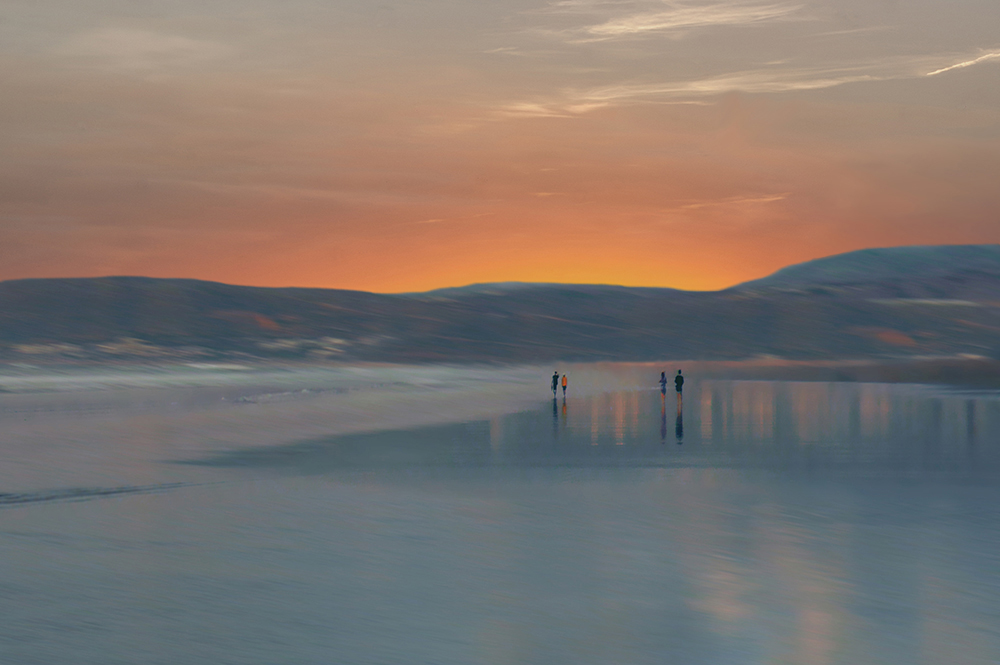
{"type": "Point", "coordinates": [461, 515]}
{"type": "Point", "coordinates": [202, 409]}
{"type": "Point", "coordinates": [224, 406]}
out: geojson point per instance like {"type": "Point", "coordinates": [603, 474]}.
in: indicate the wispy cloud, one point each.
{"type": "Point", "coordinates": [535, 110]}
{"type": "Point", "coordinates": [992, 55]}
{"type": "Point", "coordinates": [685, 16]}
{"type": "Point", "coordinates": [565, 109]}
{"type": "Point", "coordinates": [769, 79]}
{"type": "Point", "coordinates": [849, 31]}
{"type": "Point", "coordinates": [636, 18]}
{"type": "Point", "coordinates": [141, 49]}
{"type": "Point", "coordinates": [736, 200]}
{"type": "Point", "coordinates": [505, 50]}
{"type": "Point", "coordinates": [753, 81]}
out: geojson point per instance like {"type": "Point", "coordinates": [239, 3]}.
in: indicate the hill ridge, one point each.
{"type": "Point", "coordinates": [952, 306]}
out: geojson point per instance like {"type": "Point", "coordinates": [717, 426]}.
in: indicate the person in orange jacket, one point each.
{"type": "Point", "coordinates": [565, 382]}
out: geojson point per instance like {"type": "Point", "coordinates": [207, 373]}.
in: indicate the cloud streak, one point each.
{"type": "Point", "coordinates": [992, 55]}
{"type": "Point", "coordinates": [765, 80]}
{"type": "Point", "coordinates": [739, 200]}
{"type": "Point", "coordinates": [141, 49]}
{"type": "Point", "coordinates": [665, 16]}
{"type": "Point", "coordinates": [684, 16]}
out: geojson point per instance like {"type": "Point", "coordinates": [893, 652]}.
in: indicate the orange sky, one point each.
{"type": "Point", "coordinates": [395, 147]}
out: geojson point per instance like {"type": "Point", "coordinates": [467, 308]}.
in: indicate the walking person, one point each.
{"type": "Point", "coordinates": [565, 382]}
{"type": "Point", "coordinates": [663, 383]}
{"type": "Point", "coordinates": [555, 383]}
{"type": "Point", "coordinates": [679, 387]}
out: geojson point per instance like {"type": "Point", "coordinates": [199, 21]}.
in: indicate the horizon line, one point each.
{"type": "Point", "coordinates": [505, 282]}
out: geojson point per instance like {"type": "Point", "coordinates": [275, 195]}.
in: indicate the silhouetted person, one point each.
{"type": "Point", "coordinates": [663, 383]}
{"type": "Point", "coordinates": [679, 387]}
{"type": "Point", "coordinates": [555, 383]}
{"type": "Point", "coordinates": [565, 382]}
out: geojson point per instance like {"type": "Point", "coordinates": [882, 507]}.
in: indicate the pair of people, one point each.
{"type": "Point", "coordinates": [678, 382]}
{"type": "Point", "coordinates": [555, 383]}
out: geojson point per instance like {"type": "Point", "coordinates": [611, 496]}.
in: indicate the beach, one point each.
{"type": "Point", "coordinates": [454, 515]}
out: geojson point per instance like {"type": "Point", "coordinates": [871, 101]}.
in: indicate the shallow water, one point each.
{"type": "Point", "coordinates": [762, 522]}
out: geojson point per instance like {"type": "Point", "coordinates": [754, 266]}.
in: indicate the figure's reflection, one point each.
{"type": "Point", "coordinates": [555, 417]}
{"type": "Point", "coordinates": [679, 424]}
{"type": "Point", "coordinates": [663, 418]}
{"type": "Point", "coordinates": [970, 422]}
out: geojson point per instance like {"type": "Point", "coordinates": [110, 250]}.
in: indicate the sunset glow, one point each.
{"type": "Point", "coordinates": [399, 146]}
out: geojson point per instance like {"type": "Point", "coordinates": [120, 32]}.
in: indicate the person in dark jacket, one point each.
{"type": "Point", "coordinates": [555, 383]}
{"type": "Point", "coordinates": [679, 382]}
{"type": "Point", "coordinates": [663, 383]}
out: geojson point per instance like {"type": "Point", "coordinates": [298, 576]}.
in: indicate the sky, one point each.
{"type": "Point", "coordinates": [392, 146]}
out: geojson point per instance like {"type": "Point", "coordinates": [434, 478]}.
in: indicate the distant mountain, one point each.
{"type": "Point", "coordinates": [943, 271]}
{"type": "Point", "coordinates": [516, 288]}
{"type": "Point", "coordinates": [490, 288]}
{"type": "Point", "coordinates": [906, 301]}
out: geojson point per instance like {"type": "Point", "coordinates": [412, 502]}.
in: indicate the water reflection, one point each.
{"type": "Point", "coordinates": [799, 523]}
{"type": "Point", "coordinates": [663, 418]}
{"type": "Point", "coordinates": [814, 428]}
{"type": "Point", "coordinates": [679, 423]}
{"type": "Point", "coordinates": [555, 418]}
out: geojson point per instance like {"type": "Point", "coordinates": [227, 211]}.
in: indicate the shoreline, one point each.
{"type": "Point", "coordinates": [257, 408]}
{"type": "Point", "coordinates": [207, 410]}
{"type": "Point", "coordinates": [21, 378]}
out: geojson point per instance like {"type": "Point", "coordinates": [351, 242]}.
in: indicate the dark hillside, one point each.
{"type": "Point", "coordinates": [899, 302]}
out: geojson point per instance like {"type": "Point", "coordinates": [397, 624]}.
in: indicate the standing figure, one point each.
{"type": "Point", "coordinates": [663, 383]}
{"type": "Point", "coordinates": [679, 386]}
{"type": "Point", "coordinates": [565, 382]}
{"type": "Point", "coordinates": [555, 383]}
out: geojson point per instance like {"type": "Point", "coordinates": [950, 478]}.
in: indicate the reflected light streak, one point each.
{"type": "Point", "coordinates": [595, 419]}
{"type": "Point", "coordinates": [706, 414]}
{"type": "Point", "coordinates": [618, 409]}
